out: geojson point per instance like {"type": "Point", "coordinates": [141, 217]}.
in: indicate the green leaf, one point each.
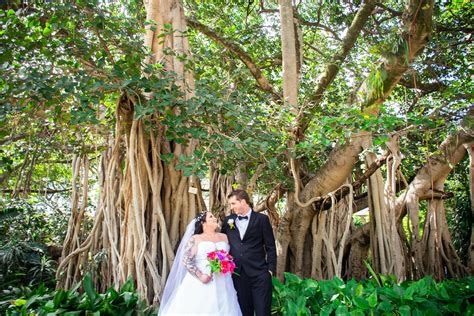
{"type": "Point", "coordinates": [47, 31]}
{"type": "Point", "coordinates": [442, 291]}
{"type": "Point", "coordinates": [59, 297]}
{"type": "Point", "coordinates": [19, 302]}
{"type": "Point", "coordinates": [408, 295]}
{"type": "Point", "coordinates": [326, 310]}
{"type": "Point", "coordinates": [405, 310]}
{"type": "Point", "coordinates": [361, 303]}
{"type": "Point", "coordinates": [385, 306]}
{"type": "Point", "coordinates": [291, 278]}
{"type": "Point", "coordinates": [454, 307]}
{"type": "Point", "coordinates": [89, 288]}
{"type": "Point", "coordinates": [342, 310]}
{"type": "Point", "coordinates": [359, 290]}
{"type": "Point", "coordinates": [127, 286]}
{"type": "Point", "coordinates": [372, 299]}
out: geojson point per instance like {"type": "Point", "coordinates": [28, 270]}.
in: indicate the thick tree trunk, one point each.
{"type": "Point", "coordinates": [417, 24]}
{"type": "Point", "coordinates": [439, 256]}
{"type": "Point", "coordinates": [144, 203]}
{"type": "Point", "coordinates": [358, 250]}
{"type": "Point", "coordinates": [327, 179]}
{"type": "Point", "coordinates": [79, 200]}
{"type": "Point", "coordinates": [290, 64]}
{"type": "Point", "coordinates": [430, 178]}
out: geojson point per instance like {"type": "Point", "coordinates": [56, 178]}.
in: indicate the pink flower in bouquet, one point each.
{"type": "Point", "coordinates": [221, 261]}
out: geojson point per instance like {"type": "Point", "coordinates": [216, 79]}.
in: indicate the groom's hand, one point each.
{"type": "Point", "coordinates": [205, 278]}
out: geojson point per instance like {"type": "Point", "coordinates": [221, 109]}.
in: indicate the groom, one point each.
{"type": "Point", "coordinates": [252, 245]}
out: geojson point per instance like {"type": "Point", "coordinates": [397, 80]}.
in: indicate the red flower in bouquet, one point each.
{"type": "Point", "coordinates": [221, 261]}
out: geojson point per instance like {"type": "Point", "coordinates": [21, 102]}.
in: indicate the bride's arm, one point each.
{"type": "Point", "coordinates": [190, 263]}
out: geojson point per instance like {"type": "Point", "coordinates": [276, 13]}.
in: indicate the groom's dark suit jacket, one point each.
{"type": "Point", "coordinates": [256, 252]}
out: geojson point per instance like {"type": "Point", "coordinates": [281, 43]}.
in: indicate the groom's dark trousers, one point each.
{"type": "Point", "coordinates": [254, 257]}
{"type": "Point", "coordinates": [254, 293]}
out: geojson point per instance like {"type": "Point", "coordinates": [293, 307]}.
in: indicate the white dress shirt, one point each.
{"type": "Point", "coordinates": [242, 224]}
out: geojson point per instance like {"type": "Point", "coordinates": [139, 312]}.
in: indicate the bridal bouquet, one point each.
{"type": "Point", "coordinates": [221, 261]}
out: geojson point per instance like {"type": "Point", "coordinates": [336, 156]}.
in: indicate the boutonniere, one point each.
{"type": "Point", "coordinates": [230, 222]}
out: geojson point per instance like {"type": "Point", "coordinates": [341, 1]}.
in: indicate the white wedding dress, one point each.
{"type": "Point", "coordinates": [193, 297]}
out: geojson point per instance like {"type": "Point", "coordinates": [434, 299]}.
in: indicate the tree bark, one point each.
{"type": "Point", "coordinates": [290, 65]}
{"type": "Point", "coordinates": [431, 177]}
{"type": "Point", "coordinates": [145, 203]}
{"type": "Point", "coordinates": [341, 162]}
{"type": "Point", "coordinates": [470, 151]}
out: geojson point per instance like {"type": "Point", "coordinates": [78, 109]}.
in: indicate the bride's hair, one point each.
{"type": "Point", "coordinates": [200, 219]}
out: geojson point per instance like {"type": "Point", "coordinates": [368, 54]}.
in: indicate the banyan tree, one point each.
{"type": "Point", "coordinates": [318, 109]}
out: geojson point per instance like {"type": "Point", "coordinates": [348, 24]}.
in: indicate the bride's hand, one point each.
{"type": "Point", "coordinates": [205, 278]}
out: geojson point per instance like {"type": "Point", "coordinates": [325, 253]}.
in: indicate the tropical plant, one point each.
{"type": "Point", "coordinates": [27, 234]}
{"type": "Point", "coordinates": [41, 301]}
{"type": "Point", "coordinates": [381, 296]}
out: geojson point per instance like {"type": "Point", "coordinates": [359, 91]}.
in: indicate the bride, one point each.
{"type": "Point", "coordinates": [191, 288]}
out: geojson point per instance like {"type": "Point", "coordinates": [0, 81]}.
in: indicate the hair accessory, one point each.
{"type": "Point", "coordinates": [201, 216]}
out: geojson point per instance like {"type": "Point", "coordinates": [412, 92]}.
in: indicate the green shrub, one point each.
{"type": "Point", "coordinates": [41, 301]}
{"type": "Point", "coordinates": [26, 231]}
{"type": "Point", "coordinates": [25, 263]}
{"type": "Point", "coordinates": [382, 296]}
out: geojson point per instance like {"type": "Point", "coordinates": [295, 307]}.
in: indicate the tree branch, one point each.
{"type": "Point", "coordinates": [426, 87]}
{"type": "Point", "coordinates": [318, 25]}
{"type": "Point", "coordinates": [45, 191]}
{"type": "Point", "coordinates": [332, 67]}
{"type": "Point", "coordinates": [264, 10]}
{"type": "Point", "coordinates": [12, 138]}
{"type": "Point", "coordinates": [239, 52]}
{"type": "Point", "coordinates": [324, 202]}
{"type": "Point", "coordinates": [417, 23]}
{"type": "Point", "coordinates": [392, 11]}
{"type": "Point", "coordinates": [464, 29]}
{"type": "Point", "coordinates": [438, 165]}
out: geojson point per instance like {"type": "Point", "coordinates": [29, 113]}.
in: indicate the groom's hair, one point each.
{"type": "Point", "coordinates": [240, 195]}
